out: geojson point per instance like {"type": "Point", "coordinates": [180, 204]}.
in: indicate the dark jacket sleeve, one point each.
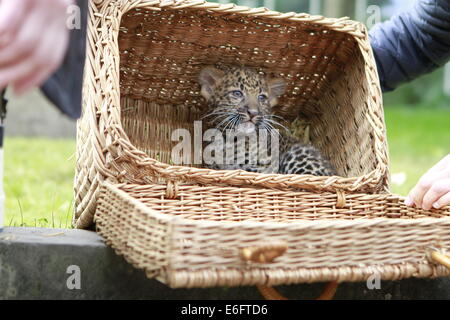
{"type": "Point", "coordinates": [412, 43]}
{"type": "Point", "coordinates": [64, 87]}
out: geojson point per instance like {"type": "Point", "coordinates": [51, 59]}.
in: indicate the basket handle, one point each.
{"type": "Point", "coordinates": [440, 258]}
{"type": "Point", "coordinates": [264, 253]}
{"type": "Point", "coordinates": [270, 293]}
{"type": "Point", "coordinates": [267, 254]}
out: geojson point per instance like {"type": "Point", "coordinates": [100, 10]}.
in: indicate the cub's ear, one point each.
{"type": "Point", "coordinates": [208, 78]}
{"type": "Point", "coordinates": [277, 86]}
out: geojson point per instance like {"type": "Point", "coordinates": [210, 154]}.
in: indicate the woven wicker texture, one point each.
{"type": "Point", "coordinates": [195, 227]}
{"type": "Point", "coordinates": [196, 239]}
{"type": "Point", "coordinates": [141, 84]}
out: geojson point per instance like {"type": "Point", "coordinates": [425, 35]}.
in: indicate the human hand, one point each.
{"type": "Point", "coordinates": [433, 189]}
{"type": "Point", "coordinates": [33, 41]}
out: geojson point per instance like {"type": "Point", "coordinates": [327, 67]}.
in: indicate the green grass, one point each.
{"type": "Point", "coordinates": [418, 138]}
{"type": "Point", "coordinates": [39, 172]}
{"type": "Point", "coordinates": [38, 182]}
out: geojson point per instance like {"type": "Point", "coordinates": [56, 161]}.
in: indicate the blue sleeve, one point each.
{"type": "Point", "coordinates": [412, 43]}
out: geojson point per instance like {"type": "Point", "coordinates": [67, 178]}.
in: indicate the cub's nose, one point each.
{"type": "Point", "coordinates": [252, 113]}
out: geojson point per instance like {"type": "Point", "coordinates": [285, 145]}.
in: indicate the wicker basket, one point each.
{"type": "Point", "coordinates": [195, 227]}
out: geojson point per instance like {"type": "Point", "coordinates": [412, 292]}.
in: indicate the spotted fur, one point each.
{"type": "Point", "coordinates": [240, 101]}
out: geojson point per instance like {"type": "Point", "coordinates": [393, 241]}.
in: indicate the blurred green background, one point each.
{"type": "Point", "coordinates": [40, 143]}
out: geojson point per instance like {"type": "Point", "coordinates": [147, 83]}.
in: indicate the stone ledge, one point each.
{"type": "Point", "coordinates": [34, 262]}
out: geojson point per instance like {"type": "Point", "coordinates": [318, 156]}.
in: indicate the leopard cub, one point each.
{"type": "Point", "coordinates": [241, 100]}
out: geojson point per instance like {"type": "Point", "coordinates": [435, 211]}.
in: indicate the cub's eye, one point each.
{"type": "Point", "coordinates": [262, 97]}
{"type": "Point", "coordinates": [237, 93]}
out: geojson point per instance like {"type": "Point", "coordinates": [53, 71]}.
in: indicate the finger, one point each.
{"type": "Point", "coordinates": [13, 73]}
{"type": "Point", "coordinates": [418, 192]}
{"type": "Point", "coordinates": [10, 11]}
{"type": "Point", "coordinates": [27, 39]}
{"type": "Point", "coordinates": [437, 190]}
{"type": "Point", "coordinates": [53, 58]}
{"type": "Point", "coordinates": [12, 14]}
{"type": "Point", "coordinates": [442, 165]}
{"type": "Point", "coordinates": [439, 171]}
{"type": "Point", "coordinates": [35, 78]}
{"type": "Point", "coordinates": [442, 201]}
{"type": "Point", "coordinates": [409, 202]}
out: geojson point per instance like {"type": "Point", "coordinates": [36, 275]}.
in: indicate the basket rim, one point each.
{"type": "Point", "coordinates": [297, 275]}
{"type": "Point", "coordinates": [302, 223]}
